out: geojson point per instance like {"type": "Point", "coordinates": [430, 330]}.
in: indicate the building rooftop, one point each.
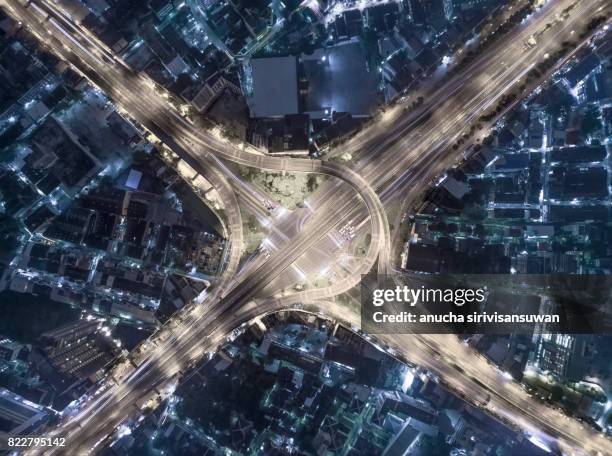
{"type": "Point", "coordinates": [133, 179]}
{"type": "Point", "coordinates": [582, 69]}
{"type": "Point", "coordinates": [275, 87]}
{"type": "Point", "coordinates": [339, 80]}
{"type": "Point", "coordinates": [18, 415]}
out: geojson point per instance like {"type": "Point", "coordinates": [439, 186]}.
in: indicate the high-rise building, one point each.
{"type": "Point", "coordinates": [78, 349]}
{"type": "Point", "coordinates": [20, 416]}
{"type": "Point", "coordinates": [562, 355]}
{"type": "Point", "coordinates": [9, 350]}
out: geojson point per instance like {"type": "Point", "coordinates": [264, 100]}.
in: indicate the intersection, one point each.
{"type": "Point", "coordinates": [402, 153]}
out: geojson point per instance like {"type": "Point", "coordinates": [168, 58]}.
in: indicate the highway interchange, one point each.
{"type": "Point", "coordinates": [393, 159]}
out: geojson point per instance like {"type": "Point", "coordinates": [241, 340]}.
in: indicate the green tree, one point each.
{"type": "Point", "coordinates": [311, 183]}
{"type": "Point", "coordinates": [556, 393]}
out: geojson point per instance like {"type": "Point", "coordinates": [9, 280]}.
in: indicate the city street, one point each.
{"type": "Point", "coordinates": [393, 159]}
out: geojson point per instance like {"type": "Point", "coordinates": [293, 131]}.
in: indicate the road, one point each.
{"type": "Point", "coordinates": [411, 148]}
{"type": "Point", "coordinates": [140, 97]}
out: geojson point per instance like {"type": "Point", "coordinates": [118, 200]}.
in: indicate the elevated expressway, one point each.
{"type": "Point", "coordinates": [415, 147]}
{"type": "Point", "coordinates": [140, 97]}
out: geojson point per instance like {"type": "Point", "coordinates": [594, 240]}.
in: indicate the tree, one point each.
{"type": "Point", "coordinates": [311, 183]}
{"type": "Point", "coordinates": [556, 393]}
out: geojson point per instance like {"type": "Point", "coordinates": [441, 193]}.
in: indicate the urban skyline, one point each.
{"type": "Point", "coordinates": [193, 192]}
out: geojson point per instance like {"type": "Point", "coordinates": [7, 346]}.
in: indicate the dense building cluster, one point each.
{"type": "Point", "coordinates": [98, 220]}
{"type": "Point", "coordinates": [319, 388]}
{"type": "Point", "coordinates": [112, 234]}
{"type": "Point", "coordinates": [534, 198]}
{"type": "Point", "coordinates": [102, 240]}
{"type": "Point", "coordinates": [287, 78]}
